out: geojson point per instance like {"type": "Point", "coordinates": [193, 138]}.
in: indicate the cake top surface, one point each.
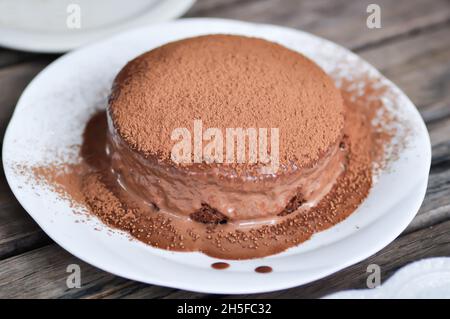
{"type": "Point", "coordinates": [227, 81]}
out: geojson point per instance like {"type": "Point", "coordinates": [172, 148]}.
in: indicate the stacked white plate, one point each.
{"type": "Point", "coordinates": [61, 25]}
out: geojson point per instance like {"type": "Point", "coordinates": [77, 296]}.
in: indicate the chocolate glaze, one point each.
{"type": "Point", "coordinates": [92, 184]}
{"type": "Point", "coordinates": [161, 227]}
{"type": "Point", "coordinates": [242, 200]}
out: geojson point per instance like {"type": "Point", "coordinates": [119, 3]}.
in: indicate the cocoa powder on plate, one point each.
{"type": "Point", "coordinates": [89, 184]}
{"type": "Point", "coordinates": [101, 197]}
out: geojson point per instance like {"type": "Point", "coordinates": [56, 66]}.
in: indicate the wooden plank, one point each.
{"type": "Point", "coordinates": [41, 273]}
{"type": "Point", "coordinates": [423, 72]}
{"type": "Point", "coordinates": [342, 21]}
{"type": "Point", "coordinates": [419, 65]}
{"type": "Point", "coordinates": [9, 57]}
{"type": "Point", "coordinates": [436, 206]}
{"type": "Point", "coordinates": [428, 242]}
{"type": "Point", "coordinates": [13, 81]}
{"type": "Point", "coordinates": [204, 6]}
{"type": "Point", "coordinates": [18, 231]}
{"type": "Point", "coordinates": [336, 20]}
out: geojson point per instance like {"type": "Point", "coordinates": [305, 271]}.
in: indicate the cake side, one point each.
{"type": "Point", "coordinates": [210, 195]}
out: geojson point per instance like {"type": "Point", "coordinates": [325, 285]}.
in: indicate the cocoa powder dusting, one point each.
{"type": "Point", "coordinates": [227, 82]}
{"type": "Point", "coordinates": [91, 185]}
{"type": "Point", "coordinates": [108, 202]}
{"type": "Point", "coordinates": [263, 269]}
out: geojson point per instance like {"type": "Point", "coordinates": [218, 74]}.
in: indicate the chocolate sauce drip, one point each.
{"type": "Point", "coordinates": [208, 215]}
{"type": "Point", "coordinates": [263, 269]}
{"type": "Point", "coordinates": [292, 205]}
{"type": "Point", "coordinates": [220, 265]}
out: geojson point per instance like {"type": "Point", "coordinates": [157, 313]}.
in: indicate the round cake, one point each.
{"type": "Point", "coordinates": [219, 95]}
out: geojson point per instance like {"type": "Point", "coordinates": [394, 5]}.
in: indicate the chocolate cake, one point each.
{"type": "Point", "coordinates": [157, 165]}
{"type": "Point", "coordinates": [225, 81]}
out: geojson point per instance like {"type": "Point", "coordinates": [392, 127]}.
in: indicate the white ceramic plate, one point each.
{"type": "Point", "coordinates": [53, 110]}
{"type": "Point", "coordinates": [424, 279]}
{"type": "Point", "coordinates": [41, 26]}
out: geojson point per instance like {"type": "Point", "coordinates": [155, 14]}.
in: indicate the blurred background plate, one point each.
{"type": "Point", "coordinates": [54, 26]}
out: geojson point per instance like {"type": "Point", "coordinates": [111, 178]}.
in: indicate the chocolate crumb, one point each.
{"type": "Point", "coordinates": [293, 205]}
{"type": "Point", "coordinates": [208, 215]}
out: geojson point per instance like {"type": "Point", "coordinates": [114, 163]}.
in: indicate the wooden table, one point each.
{"type": "Point", "coordinates": [412, 49]}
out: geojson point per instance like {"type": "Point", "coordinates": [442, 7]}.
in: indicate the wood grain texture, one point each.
{"type": "Point", "coordinates": [342, 21]}
{"type": "Point", "coordinates": [13, 80]}
{"type": "Point", "coordinates": [9, 57]}
{"type": "Point", "coordinates": [41, 273]}
{"type": "Point", "coordinates": [412, 49]}
{"type": "Point", "coordinates": [428, 242]}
